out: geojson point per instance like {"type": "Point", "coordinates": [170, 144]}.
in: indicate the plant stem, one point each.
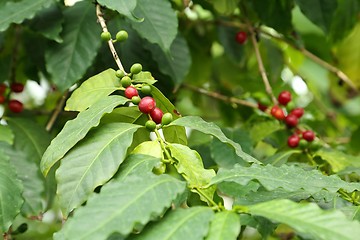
{"type": "Point", "coordinates": [210, 201]}
{"type": "Point", "coordinates": [57, 111]}
{"type": "Point", "coordinates": [162, 144]}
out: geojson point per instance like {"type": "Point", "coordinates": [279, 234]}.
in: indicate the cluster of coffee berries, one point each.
{"type": "Point", "coordinates": [147, 104]}
{"type": "Point", "coordinates": [121, 36]}
{"type": "Point", "coordinates": [14, 105]}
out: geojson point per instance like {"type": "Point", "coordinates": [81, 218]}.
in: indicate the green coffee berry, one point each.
{"type": "Point", "coordinates": [166, 119]}
{"type": "Point", "coordinates": [105, 36]}
{"type": "Point", "coordinates": [120, 73]}
{"type": "Point", "coordinates": [135, 100]}
{"type": "Point", "coordinates": [136, 68]}
{"type": "Point", "coordinates": [160, 168]}
{"type": "Point", "coordinates": [125, 81]}
{"type": "Point", "coordinates": [146, 89]}
{"type": "Point", "coordinates": [150, 125]}
{"type": "Point", "coordinates": [122, 36]}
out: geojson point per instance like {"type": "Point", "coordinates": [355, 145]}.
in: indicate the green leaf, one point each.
{"type": "Point", "coordinates": [17, 12]}
{"type": "Point", "coordinates": [225, 226]}
{"type": "Point", "coordinates": [225, 6]}
{"type": "Point", "coordinates": [199, 124]}
{"type": "Point", "coordinates": [338, 160]}
{"type": "Point", "coordinates": [124, 7]}
{"type": "Point", "coordinates": [262, 129]}
{"type": "Point", "coordinates": [125, 114]}
{"type": "Point", "coordinates": [67, 62]}
{"type": "Point", "coordinates": [280, 158]}
{"type": "Point", "coordinates": [10, 193]}
{"type": "Point", "coordinates": [76, 129]}
{"type": "Point", "coordinates": [120, 205]}
{"type": "Point", "coordinates": [320, 12]}
{"type": "Point", "coordinates": [92, 90]}
{"type": "Point", "coordinates": [190, 224]}
{"type": "Point", "coordinates": [143, 77]}
{"type": "Point", "coordinates": [189, 164]}
{"type": "Point", "coordinates": [6, 135]}
{"type": "Point", "coordinates": [92, 162]}
{"type": "Point", "coordinates": [155, 14]}
{"type": "Point", "coordinates": [151, 148]}
{"type": "Point", "coordinates": [308, 219]}
{"type": "Point", "coordinates": [290, 178]}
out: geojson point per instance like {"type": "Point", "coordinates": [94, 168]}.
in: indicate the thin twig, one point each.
{"type": "Point", "coordinates": [57, 111]}
{"type": "Point", "coordinates": [102, 22]}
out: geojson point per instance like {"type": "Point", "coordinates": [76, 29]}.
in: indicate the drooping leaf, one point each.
{"type": "Point", "coordinates": [190, 224]}
{"type": "Point", "coordinates": [75, 130]}
{"type": "Point", "coordinates": [10, 193]}
{"type": "Point", "coordinates": [120, 205]}
{"type": "Point", "coordinates": [225, 226]}
{"type": "Point", "coordinates": [6, 135]}
{"type": "Point", "coordinates": [124, 7]}
{"type": "Point", "coordinates": [17, 12]}
{"type": "Point", "coordinates": [92, 90]}
{"type": "Point", "coordinates": [67, 62]}
{"type": "Point", "coordinates": [338, 160]}
{"type": "Point", "coordinates": [199, 124]}
{"type": "Point", "coordinates": [308, 219]}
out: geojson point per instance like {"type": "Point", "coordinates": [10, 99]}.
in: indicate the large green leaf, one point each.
{"type": "Point", "coordinates": [125, 114]}
{"type": "Point", "coordinates": [155, 14]}
{"type": "Point", "coordinates": [124, 7]}
{"type": "Point", "coordinates": [76, 129]}
{"type": "Point", "coordinates": [67, 62]}
{"type": "Point", "coordinates": [92, 162]}
{"type": "Point", "coordinates": [309, 220]}
{"type": "Point", "coordinates": [10, 193]}
{"type": "Point", "coordinates": [190, 224]}
{"type": "Point", "coordinates": [338, 160]}
{"type": "Point", "coordinates": [225, 226]}
{"type": "Point", "coordinates": [6, 135]}
{"type": "Point", "coordinates": [199, 124]}
{"type": "Point", "coordinates": [121, 205]}
{"type": "Point", "coordinates": [17, 12]}
{"type": "Point", "coordinates": [262, 129]}
{"type": "Point", "coordinates": [92, 90]}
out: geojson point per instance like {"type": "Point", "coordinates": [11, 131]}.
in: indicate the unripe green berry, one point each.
{"type": "Point", "coordinates": [105, 36]}
{"type": "Point", "coordinates": [135, 100]}
{"type": "Point", "coordinates": [166, 119]}
{"type": "Point", "coordinates": [160, 168]}
{"type": "Point", "coordinates": [150, 125]}
{"type": "Point", "coordinates": [125, 81]}
{"type": "Point", "coordinates": [120, 73]}
{"type": "Point", "coordinates": [136, 68]}
{"type": "Point", "coordinates": [303, 144]}
{"type": "Point", "coordinates": [121, 36]}
{"type": "Point", "coordinates": [146, 89]}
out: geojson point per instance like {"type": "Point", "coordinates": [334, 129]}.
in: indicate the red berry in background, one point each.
{"type": "Point", "coordinates": [241, 37]}
{"type": "Point", "coordinates": [297, 112]}
{"type": "Point", "coordinates": [308, 135]}
{"type": "Point", "coordinates": [17, 87]}
{"type": "Point", "coordinates": [293, 141]}
{"type": "Point", "coordinates": [15, 106]}
{"type": "Point", "coordinates": [156, 115]}
{"type": "Point", "coordinates": [291, 120]}
{"type": "Point", "coordinates": [2, 99]}
{"type": "Point", "coordinates": [277, 113]}
{"type": "Point", "coordinates": [2, 88]}
{"type": "Point", "coordinates": [146, 105]}
{"type": "Point", "coordinates": [262, 107]}
{"type": "Point", "coordinates": [284, 97]}
{"type": "Point", "coordinates": [131, 92]}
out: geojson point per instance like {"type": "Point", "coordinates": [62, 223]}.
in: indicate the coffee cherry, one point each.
{"type": "Point", "coordinates": [156, 115]}
{"type": "Point", "coordinates": [136, 68]}
{"type": "Point", "coordinates": [146, 89]}
{"type": "Point", "coordinates": [121, 36]}
{"type": "Point", "coordinates": [298, 112]}
{"type": "Point", "coordinates": [241, 37]}
{"type": "Point", "coordinates": [291, 120]}
{"type": "Point", "coordinates": [159, 169]}
{"type": "Point", "coordinates": [147, 104]}
{"type": "Point", "coordinates": [135, 100]}
{"type": "Point", "coordinates": [166, 119]}
{"type": "Point", "coordinates": [303, 144]}
{"type": "Point", "coordinates": [150, 125]}
{"type": "Point", "coordinates": [308, 135]}
{"type": "Point", "coordinates": [15, 106]}
{"type": "Point", "coordinates": [2, 99]}
{"type": "Point", "coordinates": [2, 88]}
{"type": "Point", "coordinates": [105, 36]}
{"type": "Point", "coordinates": [293, 141]}
{"type": "Point", "coordinates": [17, 87]}
{"type": "Point", "coordinates": [284, 97]}
{"type": "Point", "coordinates": [277, 113]}
{"type": "Point", "coordinates": [130, 92]}
{"type": "Point", "coordinates": [262, 107]}
{"type": "Point", "coordinates": [125, 81]}
{"type": "Point", "coordinates": [120, 73]}
{"type": "Point", "coordinates": [315, 145]}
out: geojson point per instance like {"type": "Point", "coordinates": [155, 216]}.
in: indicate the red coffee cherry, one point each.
{"type": "Point", "coordinates": [298, 112]}
{"type": "Point", "coordinates": [15, 106]}
{"type": "Point", "coordinates": [2, 99]}
{"type": "Point", "coordinates": [2, 88]}
{"type": "Point", "coordinates": [262, 107]}
{"type": "Point", "coordinates": [291, 120]}
{"type": "Point", "coordinates": [147, 104]}
{"type": "Point", "coordinates": [284, 97]}
{"type": "Point", "coordinates": [156, 115]}
{"type": "Point", "coordinates": [17, 87]}
{"type": "Point", "coordinates": [277, 113]}
{"type": "Point", "coordinates": [293, 141]}
{"type": "Point", "coordinates": [308, 135]}
{"type": "Point", "coordinates": [131, 92]}
{"type": "Point", "coordinates": [241, 37]}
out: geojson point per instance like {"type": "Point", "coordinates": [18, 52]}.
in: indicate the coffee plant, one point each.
{"type": "Point", "coordinates": [179, 119]}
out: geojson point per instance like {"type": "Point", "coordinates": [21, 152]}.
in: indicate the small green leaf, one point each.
{"type": "Point", "coordinates": [338, 160]}
{"type": "Point", "coordinates": [308, 219]}
{"type": "Point", "coordinates": [124, 7]}
{"type": "Point", "coordinates": [6, 135]}
{"type": "Point", "coordinates": [75, 130]}
{"type": "Point", "coordinates": [144, 77]}
{"type": "Point", "coordinates": [151, 148]}
{"type": "Point", "coordinates": [225, 226]}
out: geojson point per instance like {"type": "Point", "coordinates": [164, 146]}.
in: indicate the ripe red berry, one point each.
{"type": "Point", "coordinates": [156, 115]}
{"type": "Point", "coordinates": [15, 106]}
{"type": "Point", "coordinates": [308, 135]}
{"type": "Point", "coordinates": [17, 87]}
{"type": "Point", "coordinates": [298, 112]}
{"type": "Point", "coordinates": [147, 104]}
{"type": "Point", "coordinates": [291, 120]}
{"type": "Point", "coordinates": [277, 113]}
{"type": "Point", "coordinates": [293, 141]}
{"type": "Point", "coordinates": [262, 107]}
{"type": "Point", "coordinates": [2, 88]}
{"type": "Point", "coordinates": [284, 97]}
{"type": "Point", "coordinates": [131, 92]}
{"type": "Point", "coordinates": [2, 99]}
{"type": "Point", "coordinates": [241, 37]}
